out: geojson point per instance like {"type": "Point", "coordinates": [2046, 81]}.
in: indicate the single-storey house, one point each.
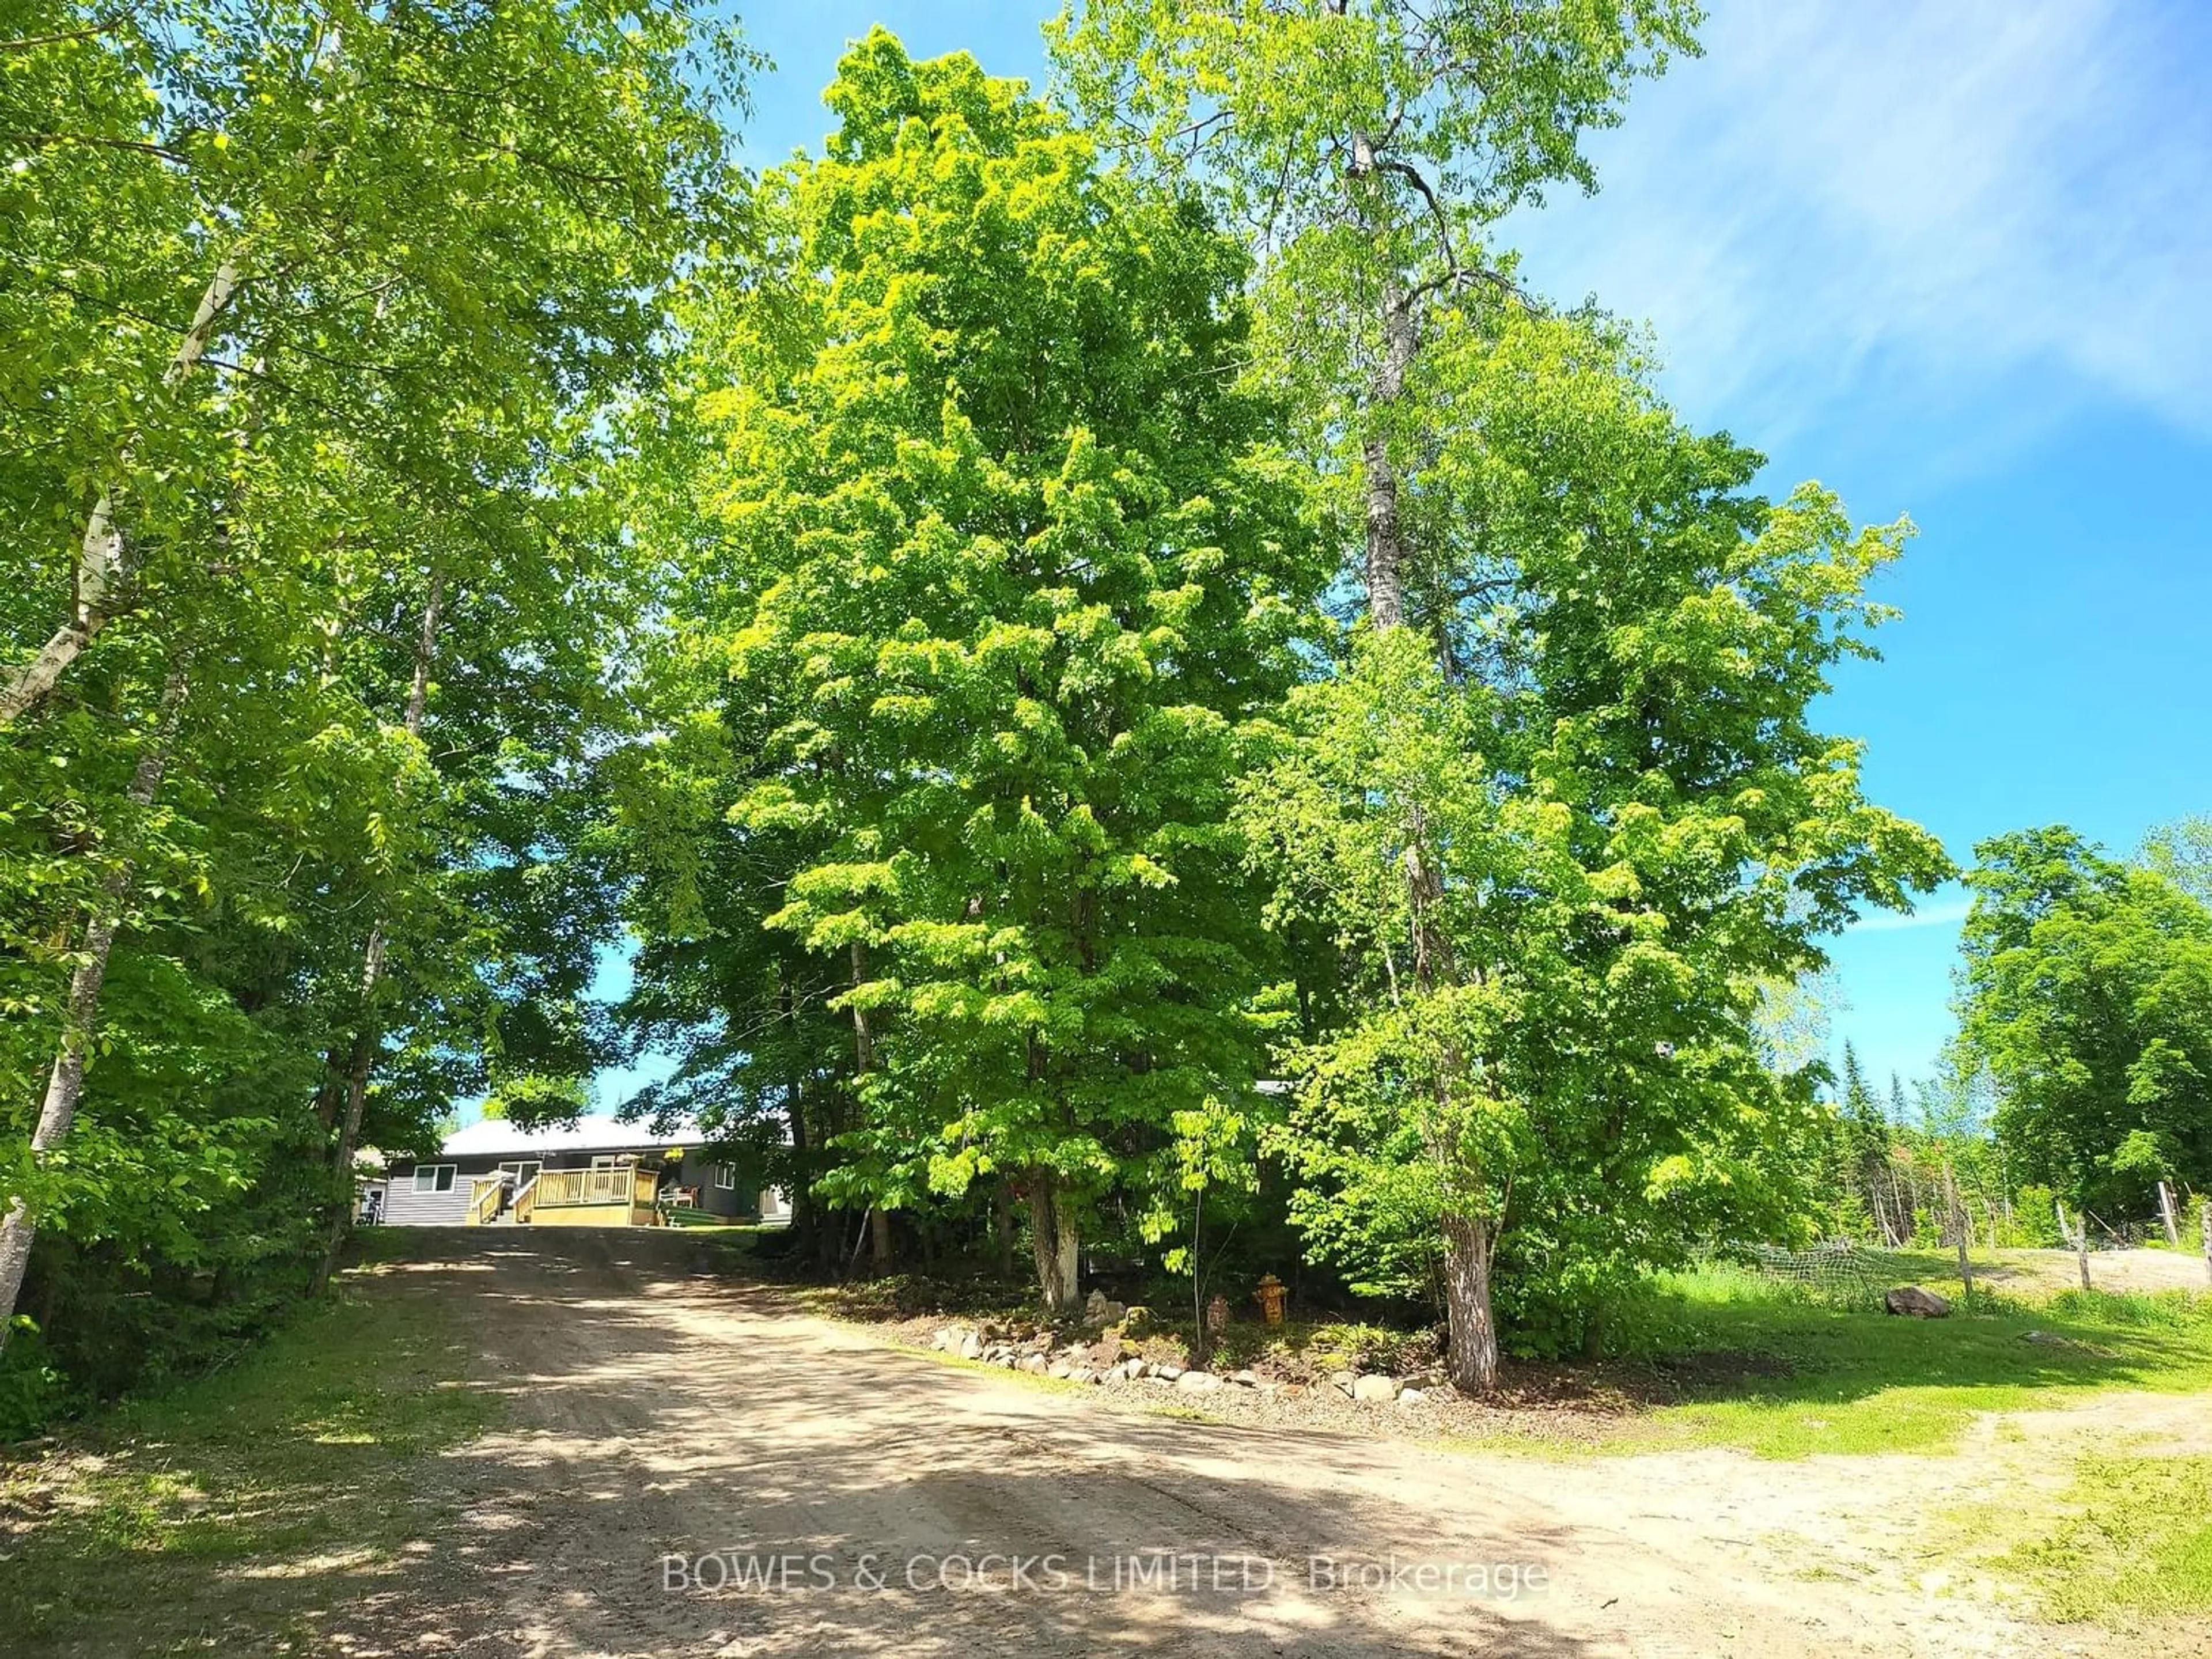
{"type": "Point", "coordinates": [595, 1172]}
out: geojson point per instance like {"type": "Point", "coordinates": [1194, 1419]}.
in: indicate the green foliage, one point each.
{"type": "Point", "coordinates": [2088, 995]}
{"type": "Point", "coordinates": [1633, 829]}
{"type": "Point", "coordinates": [33, 1393]}
{"type": "Point", "coordinates": [898, 594]}
{"type": "Point", "coordinates": [330, 308]}
{"type": "Point", "coordinates": [1000, 569]}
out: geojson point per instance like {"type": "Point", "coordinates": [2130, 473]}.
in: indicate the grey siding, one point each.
{"type": "Point", "coordinates": [698, 1170]}
{"type": "Point", "coordinates": [405, 1207]}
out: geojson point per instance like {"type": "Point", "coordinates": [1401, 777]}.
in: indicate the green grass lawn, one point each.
{"type": "Point", "coordinates": [1785, 1372]}
{"type": "Point", "coordinates": [235, 1499]}
{"type": "Point", "coordinates": [2134, 1535]}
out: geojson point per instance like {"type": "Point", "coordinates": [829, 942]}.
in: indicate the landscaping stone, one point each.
{"type": "Point", "coordinates": [1197, 1382]}
{"type": "Point", "coordinates": [1411, 1396]}
{"type": "Point", "coordinates": [1248, 1378]}
{"type": "Point", "coordinates": [1912, 1301]}
{"type": "Point", "coordinates": [1376, 1387]}
{"type": "Point", "coordinates": [1342, 1381]}
{"type": "Point", "coordinates": [1102, 1309]}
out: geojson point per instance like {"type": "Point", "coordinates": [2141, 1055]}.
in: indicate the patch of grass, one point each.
{"type": "Point", "coordinates": [2134, 1537]}
{"type": "Point", "coordinates": [1060, 1384]}
{"type": "Point", "coordinates": [166, 1518]}
{"type": "Point", "coordinates": [1784, 1371]}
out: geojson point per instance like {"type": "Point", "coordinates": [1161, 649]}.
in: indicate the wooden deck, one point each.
{"type": "Point", "coordinates": [618, 1196]}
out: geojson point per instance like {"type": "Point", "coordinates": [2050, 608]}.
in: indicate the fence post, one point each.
{"type": "Point", "coordinates": [1959, 1233]}
{"type": "Point", "coordinates": [2166, 1214]}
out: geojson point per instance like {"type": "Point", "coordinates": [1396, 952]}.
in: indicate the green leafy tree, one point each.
{"type": "Point", "coordinates": [2086, 994]}
{"type": "Point", "coordinates": [1575, 836]}
{"type": "Point", "coordinates": [1368, 149]}
{"type": "Point", "coordinates": [1004, 551]}
{"type": "Point", "coordinates": [319, 597]}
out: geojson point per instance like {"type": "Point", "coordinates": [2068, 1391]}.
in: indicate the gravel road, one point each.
{"type": "Point", "coordinates": [688, 1466]}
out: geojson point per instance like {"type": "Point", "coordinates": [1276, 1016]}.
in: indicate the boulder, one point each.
{"type": "Point", "coordinates": [1247, 1378]}
{"type": "Point", "coordinates": [1411, 1396]}
{"type": "Point", "coordinates": [1099, 1309]}
{"type": "Point", "coordinates": [1342, 1381]}
{"type": "Point", "coordinates": [1197, 1382]}
{"type": "Point", "coordinates": [1376, 1387]}
{"type": "Point", "coordinates": [1167, 1369]}
{"type": "Point", "coordinates": [1060, 1368]}
{"type": "Point", "coordinates": [971, 1345]}
{"type": "Point", "coordinates": [1917, 1304]}
{"type": "Point", "coordinates": [1036, 1364]}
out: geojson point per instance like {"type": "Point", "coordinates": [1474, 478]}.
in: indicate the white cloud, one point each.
{"type": "Point", "coordinates": [1948, 913]}
{"type": "Point", "coordinates": [1930, 205]}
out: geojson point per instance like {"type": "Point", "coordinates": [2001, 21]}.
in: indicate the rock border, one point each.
{"type": "Point", "coordinates": [1109, 1359]}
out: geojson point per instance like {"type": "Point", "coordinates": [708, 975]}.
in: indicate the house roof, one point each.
{"type": "Point", "coordinates": [592, 1133]}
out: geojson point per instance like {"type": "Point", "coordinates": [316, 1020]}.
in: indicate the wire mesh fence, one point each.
{"type": "Point", "coordinates": [1834, 1270]}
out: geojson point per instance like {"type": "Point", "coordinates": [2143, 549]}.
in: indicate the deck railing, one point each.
{"type": "Point", "coordinates": [618, 1185]}
{"type": "Point", "coordinates": [525, 1200]}
{"type": "Point", "coordinates": [484, 1199]}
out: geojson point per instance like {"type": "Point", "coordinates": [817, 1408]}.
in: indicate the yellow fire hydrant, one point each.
{"type": "Point", "coordinates": [1272, 1295]}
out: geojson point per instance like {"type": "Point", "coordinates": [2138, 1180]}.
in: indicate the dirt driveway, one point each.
{"type": "Point", "coordinates": [658, 1412]}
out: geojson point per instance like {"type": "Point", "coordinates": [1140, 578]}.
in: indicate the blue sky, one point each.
{"type": "Point", "coordinates": [1952, 258]}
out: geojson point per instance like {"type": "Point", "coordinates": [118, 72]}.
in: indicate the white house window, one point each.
{"type": "Point", "coordinates": [726, 1177]}
{"type": "Point", "coordinates": [434, 1177]}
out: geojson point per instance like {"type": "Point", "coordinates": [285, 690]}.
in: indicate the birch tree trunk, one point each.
{"type": "Point", "coordinates": [370, 1034]}
{"type": "Point", "coordinates": [100, 556]}
{"type": "Point", "coordinates": [65, 1083]}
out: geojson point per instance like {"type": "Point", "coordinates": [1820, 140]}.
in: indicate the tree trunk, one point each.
{"type": "Point", "coordinates": [1386, 551]}
{"type": "Point", "coordinates": [65, 1083]}
{"type": "Point", "coordinates": [880, 1239]}
{"type": "Point", "coordinates": [1055, 1243]}
{"type": "Point", "coordinates": [370, 1036]}
{"type": "Point", "coordinates": [1470, 1321]}
{"type": "Point", "coordinates": [1386, 541]}
{"type": "Point", "coordinates": [864, 1046]}
{"type": "Point", "coordinates": [801, 1195]}
{"type": "Point", "coordinates": [100, 556]}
